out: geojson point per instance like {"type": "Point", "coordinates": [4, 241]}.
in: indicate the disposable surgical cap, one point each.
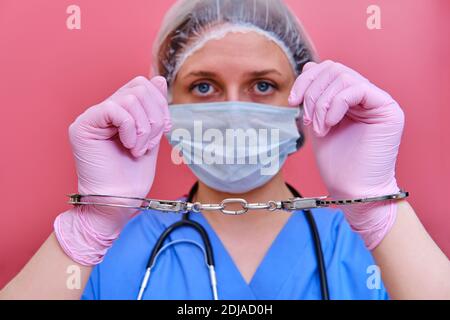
{"type": "Point", "coordinates": [190, 24]}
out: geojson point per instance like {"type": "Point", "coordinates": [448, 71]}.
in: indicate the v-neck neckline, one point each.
{"type": "Point", "coordinates": [274, 269]}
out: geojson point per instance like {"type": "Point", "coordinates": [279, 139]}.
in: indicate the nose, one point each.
{"type": "Point", "coordinates": [235, 93]}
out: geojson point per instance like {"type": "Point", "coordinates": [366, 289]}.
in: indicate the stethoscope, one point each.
{"type": "Point", "coordinates": [207, 250]}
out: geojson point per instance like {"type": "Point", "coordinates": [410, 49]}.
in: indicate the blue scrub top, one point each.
{"type": "Point", "coordinates": [288, 271]}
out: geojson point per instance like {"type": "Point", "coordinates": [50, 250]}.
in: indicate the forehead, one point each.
{"type": "Point", "coordinates": [237, 53]}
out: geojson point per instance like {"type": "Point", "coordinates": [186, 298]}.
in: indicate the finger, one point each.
{"type": "Point", "coordinates": [132, 104]}
{"type": "Point", "coordinates": [307, 116]}
{"type": "Point", "coordinates": [152, 93]}
{"type": "Point", "coordinates": [137, 81]}
{"type": "Point", "coordinates": [109, 113]}
{"type": "Point", "coordinates": [157, 98]}
{"type": "Point", "coordinates": [319, 126]}
{"type": "Point", "coordinates": [351, 96]}
{"type": "Point", "coordinates": [158, 87]}
{"type": "Point", "coordinates": [309, 65]}
{"type": "Point", "coordinates": [153, 96]}
{"type": "Point", "coordinates": [316, 89]}
{"type": "Point", "coordinates": [158, 81]}
{"type": "Point", "coordinates": [342, 81]}
{"type": "Point", "coordinates": [154, 114]}
{"type": "Point", "coordinates": [161, 84]}
{"type": "Point", "coordinates": [305, 79]}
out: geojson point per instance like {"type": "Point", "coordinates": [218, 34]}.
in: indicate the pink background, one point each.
{"type": "Point", "coordinates": [49, 75]}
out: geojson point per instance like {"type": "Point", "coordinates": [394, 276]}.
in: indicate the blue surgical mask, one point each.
{"type": "Point", "coordinates": [233, 147]}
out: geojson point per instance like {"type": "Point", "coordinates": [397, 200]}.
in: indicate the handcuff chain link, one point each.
{"type": "Point", "coordinates": [196, 207]}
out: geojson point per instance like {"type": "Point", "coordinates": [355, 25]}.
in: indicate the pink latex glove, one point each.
{"type": "Point", "coordinates": [115, 146]}
{"type": "Point", "coordinates": [356, 134]}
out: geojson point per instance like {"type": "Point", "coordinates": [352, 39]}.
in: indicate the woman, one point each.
{"type": "Point", "coordinates": [249, 64]}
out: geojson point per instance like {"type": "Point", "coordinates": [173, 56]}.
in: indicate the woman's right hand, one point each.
{"type": "Point", "coordinates": [115, 146]}
{"type": "Point", "coordinates": [115, 143]}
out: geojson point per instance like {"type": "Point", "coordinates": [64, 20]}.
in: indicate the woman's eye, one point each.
{"type": "Point", "coordinates": [202, 89]}
{"type": "Point", "coordinates": [264, 87]}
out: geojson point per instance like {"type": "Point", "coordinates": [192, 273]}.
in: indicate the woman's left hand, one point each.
{"type": "Point", "coordinates": [357, 129]}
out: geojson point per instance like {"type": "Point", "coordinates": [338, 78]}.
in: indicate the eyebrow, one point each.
{"type": "Point", "coordinates": [255, 74]}
{"type": "Point", "coordinates": [263, 73]}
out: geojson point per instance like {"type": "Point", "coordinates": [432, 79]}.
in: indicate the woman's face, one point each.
{"type": "Point", "coordinates": [239, 67]}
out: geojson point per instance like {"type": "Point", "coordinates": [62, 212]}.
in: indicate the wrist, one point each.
{"type": "Point", "coordinates": [80, 239]}
{"type": "Point", "coordinates": [373, 221]}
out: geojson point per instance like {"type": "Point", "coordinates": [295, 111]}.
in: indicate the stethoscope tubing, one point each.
{"type": "Point", "coordinates": [208, 251]}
